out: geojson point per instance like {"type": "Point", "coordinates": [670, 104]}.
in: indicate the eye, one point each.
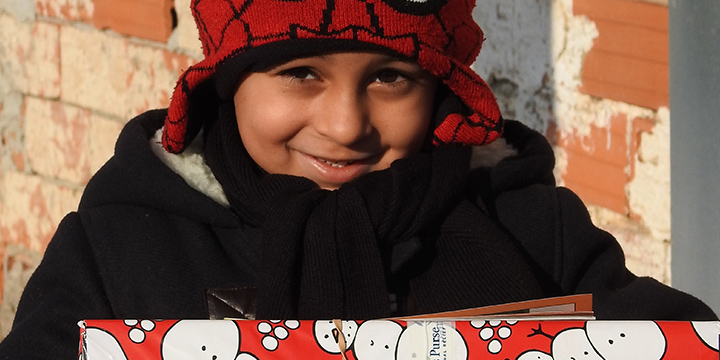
{"type": "Point", "coordinates": [390, 76]}
{"type": "Point", "coordinates": [299, 73]}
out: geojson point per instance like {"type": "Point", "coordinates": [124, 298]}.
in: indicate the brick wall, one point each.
{"type": "Point", "coordinates": [72, 72]}
{"type": "Point", "coordinates": [593, 76]}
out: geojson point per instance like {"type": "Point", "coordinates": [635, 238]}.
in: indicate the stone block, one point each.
{"type": "Point", "coordinates": [56, 139]}
{"type": "Point", "coordinates": [645, 254]}
{"type": "Point", "coordinates": [103, 133]}
{"type": "Point", "coordinates": [30, 56]}
{"type": "Point", "coordinates": [42, 63]}
{"type": "Point", "coordinates": [32, 207]}
{"type": "Point", "coordinates": [112, 75]}
{"type": "Point", "coordinates": [73, 10]}
{"type": "Point", "coordinates": [12, 148]}
{"type": "Point", "coordinates": [18, 264]}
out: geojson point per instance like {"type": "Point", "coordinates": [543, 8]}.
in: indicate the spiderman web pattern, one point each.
{"type": "Point", "coordinates": [439, 34]}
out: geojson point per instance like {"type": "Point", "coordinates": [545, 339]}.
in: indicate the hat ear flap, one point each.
{"type": "Point", "coordinates": [456, 122]}
{"type": "Point", "coordinates": [175, 131]}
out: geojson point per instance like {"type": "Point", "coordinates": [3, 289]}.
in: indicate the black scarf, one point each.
{"type": "Point", "coordinates": [327, 254]}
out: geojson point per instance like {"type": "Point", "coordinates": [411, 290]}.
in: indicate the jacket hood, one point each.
{"type": "Point", "coordinates": [136, 176]}
{"type": "Point", "coordinates": [532, 164]}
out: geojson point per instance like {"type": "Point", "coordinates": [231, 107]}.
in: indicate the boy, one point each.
{"type": "Point", "coordinates": [327, 159]}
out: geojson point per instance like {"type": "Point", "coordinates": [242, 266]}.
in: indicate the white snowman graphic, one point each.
{"type": "Point", "coordinates": [534, 355]}
{"type": "Point", "coordinates": [377, 340]}
{"type": "Point", "coordinates": [203, 340]}
{"type": "Point", "coordinates": [573, 344]}
{"type": "Point", "coordinates": [101, 344]}
{"type": "Point", "coordinates": [640, 340]}
{"type": "Point", "coordinates": [707, 331]}
{"type": "Point", "coordinates": [327, 334]}
{"type": "Point", "coordinates": [606, 340]}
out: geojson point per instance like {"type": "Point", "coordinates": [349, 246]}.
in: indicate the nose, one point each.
{"type": "Point", "coordinates": [344, 117]}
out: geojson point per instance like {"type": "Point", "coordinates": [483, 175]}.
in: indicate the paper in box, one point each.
{"type": "Point", "coordinates": [390, 339]}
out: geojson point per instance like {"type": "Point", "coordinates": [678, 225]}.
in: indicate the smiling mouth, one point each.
{"type": "Point", "coordinates": [337, 164]}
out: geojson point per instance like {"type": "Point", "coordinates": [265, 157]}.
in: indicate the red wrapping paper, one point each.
{"type": "Point", "coordinates": [388, 339]}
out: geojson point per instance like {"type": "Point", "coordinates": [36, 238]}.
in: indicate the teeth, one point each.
{"type": "Point", "coordinates": [337, 164]}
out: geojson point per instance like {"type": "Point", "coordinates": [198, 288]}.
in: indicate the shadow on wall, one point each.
{"type": "Point", "coordinates": [517, 58]}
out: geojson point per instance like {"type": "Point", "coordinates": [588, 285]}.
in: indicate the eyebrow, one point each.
{"type": "Point", "coordinates": [331, 58]}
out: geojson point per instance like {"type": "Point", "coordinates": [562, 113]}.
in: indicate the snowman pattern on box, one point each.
{"type": "Point", "coordinates": [218, 340]}
{"type": "Point", "coordinates": [604, 340]}
{"type": "Point", "coordinates": [327, 335]}
{"type": "Point", "coordinates": [388, 340]}
{"type": "Point", "coordinates": [103, 345]}
{"type": "Point", "coordinates": [185, 340]}
{"type": "Point", "coordinates": [707, 331]}
{"type": "Point", "coordinates": [203, 340]}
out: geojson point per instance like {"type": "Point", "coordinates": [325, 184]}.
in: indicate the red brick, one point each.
{"type": "Point", "coordinates": [632, 41]}
{"type": "Point", "coordinates": [629, 60]}
{"type": "Point", "coordinates": [643, 13]}
{"type": "Point", "coordinates": [596, 164]}
{"type": "Point", "coordinates": [148, 19]}
{"type": "Point", "coordinates": [632, 80]}
{"type": "Point", "coordinates": [601, 164]}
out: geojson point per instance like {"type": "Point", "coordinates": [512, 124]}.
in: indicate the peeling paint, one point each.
{"type": "Point", "coordinates": [22, 10]}
{"type": "Point", "coordinates": [533, 60]}
{"type": "Point", "coordinates": [185, 38]}
{"type": "Point", "coordinates": [651, 177]}
{"type": "Point", "coordinates": [75, 10]}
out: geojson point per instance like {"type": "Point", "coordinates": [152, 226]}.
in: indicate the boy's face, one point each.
{"type": "Point", "coordinates": [332, 118]}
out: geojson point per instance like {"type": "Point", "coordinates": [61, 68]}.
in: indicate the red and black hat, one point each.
{"type": "Point", "coordinates": [242, 35]}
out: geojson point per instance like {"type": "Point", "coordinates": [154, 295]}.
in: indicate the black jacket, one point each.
{"type": "Point", "coordinates": [145, 244]}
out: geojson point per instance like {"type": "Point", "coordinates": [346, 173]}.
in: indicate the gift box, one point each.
{"type": "Point", "coordinates": [493, 338]}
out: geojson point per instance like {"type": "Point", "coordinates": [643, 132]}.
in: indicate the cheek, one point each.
{"type": "Point", "coordinates": [265, 131]}
{"type": "Point", "coordinates": [406, 127]}
{"type": "Point", "coordinates": [266, 118]}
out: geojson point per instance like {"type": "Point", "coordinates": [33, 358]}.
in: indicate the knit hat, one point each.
{"type": "Point", "coordinates": [245, 35]}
